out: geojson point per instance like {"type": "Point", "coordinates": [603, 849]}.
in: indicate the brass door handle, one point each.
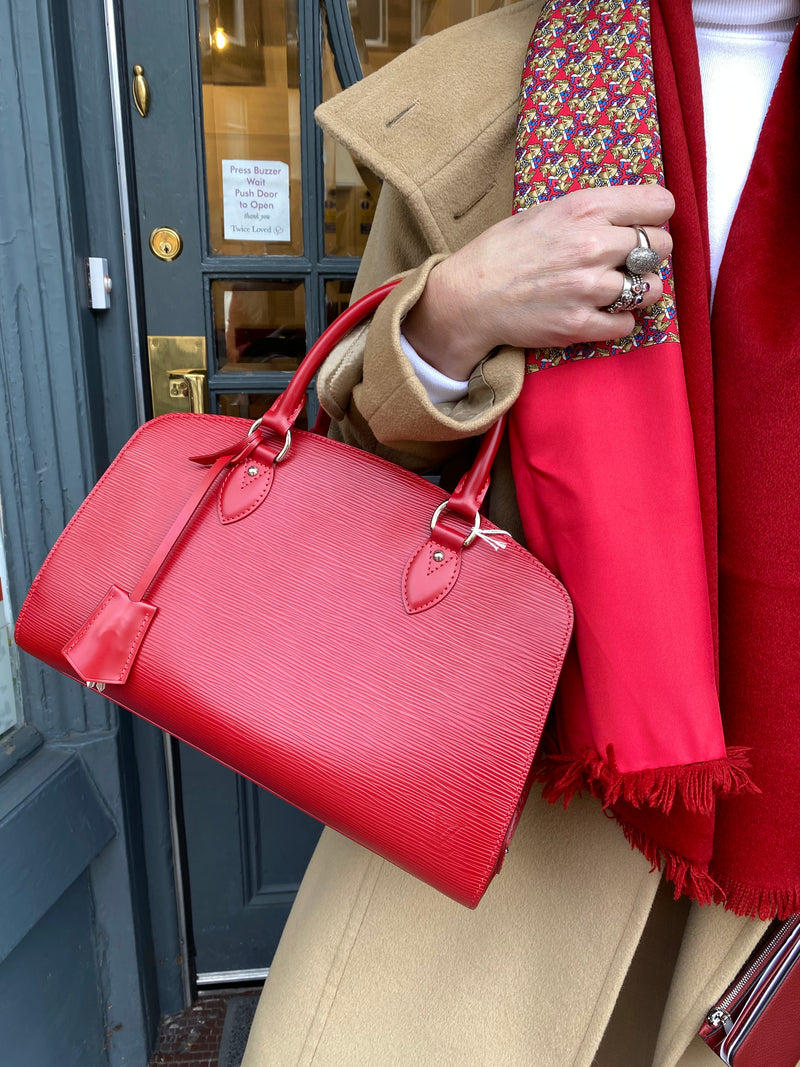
{"type": "Point", "coordinates": [141, 91]}
{"type": "Point", "coordinates": [192, 384]}
{"type": "Point", "coordinates": [178, 375]}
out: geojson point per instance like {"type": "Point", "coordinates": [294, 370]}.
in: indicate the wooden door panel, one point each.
{"type": "Point", "coordinates": [246, 852]}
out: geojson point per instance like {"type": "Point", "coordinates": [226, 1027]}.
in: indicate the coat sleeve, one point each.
{"type": "Point", "coordinates": [367, 384]}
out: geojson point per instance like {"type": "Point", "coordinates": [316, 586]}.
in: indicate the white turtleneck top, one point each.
{"type": "Point", "coordinates": [742, 46]}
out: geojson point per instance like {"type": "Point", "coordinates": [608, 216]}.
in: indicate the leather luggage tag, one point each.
{"type": "Point", "coordinates": [104, 649]}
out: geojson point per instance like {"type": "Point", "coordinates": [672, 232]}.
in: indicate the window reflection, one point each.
{"type": "Point", "coordinates": [337, 297]}
{"type": "Point", "coordinates": [384, 28]}
{"type": "Point", "coordinates": [259, 325]}
{"type": "Point", "coordinates": [253, 405]}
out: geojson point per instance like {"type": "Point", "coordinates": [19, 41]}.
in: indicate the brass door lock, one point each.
{"type": "Point", "coordinates": [166, 243]}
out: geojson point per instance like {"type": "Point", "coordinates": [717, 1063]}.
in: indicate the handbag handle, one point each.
{"type": "Point", "coordinates": [280, 418]}
{"type": "Point", "coordinates": [465, 502]}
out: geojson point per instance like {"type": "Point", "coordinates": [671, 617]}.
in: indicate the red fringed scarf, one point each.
{"type": "Point", "coordinates": [636, 473]}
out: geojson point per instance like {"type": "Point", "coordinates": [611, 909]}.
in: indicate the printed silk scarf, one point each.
{"type": "Point", "coordinates": [663, 486]}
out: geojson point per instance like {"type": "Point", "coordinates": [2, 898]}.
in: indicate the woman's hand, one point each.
{"type": "Point", "coordinates": [541, 278]}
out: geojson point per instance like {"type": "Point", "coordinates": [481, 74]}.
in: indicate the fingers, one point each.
{"type": "Point", "coordinates": [622, 205]}
{"type": "Point", "coordinates": [611, 327]}
{"type": "Point", "coordinates": [617, 205]}
{"type": "Point", "coordinates": [594, 326]}
{"type": "Point", "coordinates": [595, 227]}
{"type": "Point", "coordinates": [545, 277]}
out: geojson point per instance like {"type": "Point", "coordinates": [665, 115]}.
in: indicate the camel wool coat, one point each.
{"type": "Point", "coordinates": [577, 955]}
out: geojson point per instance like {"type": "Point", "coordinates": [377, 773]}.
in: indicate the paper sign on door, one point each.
{"type": "Point", "coordinates": [255, 197]}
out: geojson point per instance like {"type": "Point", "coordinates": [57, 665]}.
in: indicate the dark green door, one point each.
{"type": "Point", "coordinates": [250, 227]}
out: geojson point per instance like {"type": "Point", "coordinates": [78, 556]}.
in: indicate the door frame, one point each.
{"type": "Point", "coordinates": [80, 905]}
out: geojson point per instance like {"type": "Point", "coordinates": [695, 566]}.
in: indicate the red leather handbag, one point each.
{"type": "Point", "coordinates": [324, 622]}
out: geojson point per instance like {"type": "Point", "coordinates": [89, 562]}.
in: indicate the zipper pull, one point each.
{"type": "Point", "coordinates": [719, 1017]}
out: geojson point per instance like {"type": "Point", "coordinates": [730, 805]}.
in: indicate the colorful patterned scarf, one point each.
{"type": "Point", "coordinates": [615, 453]}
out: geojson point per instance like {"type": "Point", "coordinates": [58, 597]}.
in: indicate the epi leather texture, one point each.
{"type": "Point", "coordinates": [755, 1023]}
{"type": "Point", "coordinates": [299, 610]}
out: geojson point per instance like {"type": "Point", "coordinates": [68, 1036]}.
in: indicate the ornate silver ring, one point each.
{"type": "Point", "coordinates": [633, 289]}
{"type": "Point", "coordinates": [643, 259]}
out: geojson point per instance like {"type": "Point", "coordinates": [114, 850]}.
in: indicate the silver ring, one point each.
{"type": "Point", "coordinates": [476, 523]}
{"type": "Point", "coordinates": [633, 289]}
{"type": "Point", "coordinates": [643, 259]}
{"type": "Point", "coordinates": [287, 441]}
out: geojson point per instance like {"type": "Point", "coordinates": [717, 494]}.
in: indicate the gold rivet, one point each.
{"type": "Point", "coordinates": [252, 471]}
{"type": "Point", "coordinates": [438, 557]}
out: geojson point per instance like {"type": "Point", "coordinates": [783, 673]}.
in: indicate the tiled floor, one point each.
{"type": "Point", "coordinates": [192, 1038]}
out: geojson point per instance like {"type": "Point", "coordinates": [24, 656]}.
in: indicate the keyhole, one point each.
{"type": "Point", "coordinates": [165, 243]}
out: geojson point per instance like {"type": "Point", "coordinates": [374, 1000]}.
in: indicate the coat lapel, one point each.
{"type": "Point", "coordinates": [453, 161]}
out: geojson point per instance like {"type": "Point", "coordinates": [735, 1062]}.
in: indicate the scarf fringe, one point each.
{"type": "Point", "coordinates": [687, 878]}
{"type": "Point", "coordinates": [696, 784]}
{"type": "Point", "coordinates": [756, 902]}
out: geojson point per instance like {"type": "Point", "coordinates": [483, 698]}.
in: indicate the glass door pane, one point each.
{"type": "Point", "coordinates": [259, 325]}
{"type": "Point", "coordinates": [251, 406]}
{"type": "Point", "coordinates": [251, 118]}
{"type": "Point", "coordinates": [338, 293]}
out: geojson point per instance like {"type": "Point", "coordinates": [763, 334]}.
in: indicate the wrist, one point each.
{"type": "Point", "coordinates": [438, 328]}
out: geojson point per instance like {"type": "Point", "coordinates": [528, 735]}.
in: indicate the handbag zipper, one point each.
{"type": "Point", "coordinates": [720, 1014]}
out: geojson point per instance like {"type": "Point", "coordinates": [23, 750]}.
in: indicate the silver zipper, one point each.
{"type": "Point", "coordinates": [719, 1014]}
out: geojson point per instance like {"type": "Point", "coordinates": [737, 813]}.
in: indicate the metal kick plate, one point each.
{"type": "Point", "coordinates": [166, 354]}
